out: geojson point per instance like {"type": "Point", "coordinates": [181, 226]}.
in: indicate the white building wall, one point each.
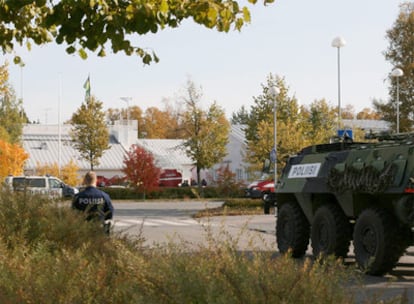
{"type": "Point", "coordinates": [125, 131]}
{"type": "Point", "coordinates": [236, 148]}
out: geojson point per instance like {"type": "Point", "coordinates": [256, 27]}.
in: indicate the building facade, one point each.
{"type": "Point", "coordinates": [51, 144]}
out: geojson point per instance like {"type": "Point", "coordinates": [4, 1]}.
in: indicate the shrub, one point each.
{"type": "Point", "coordinates": [49, 254]}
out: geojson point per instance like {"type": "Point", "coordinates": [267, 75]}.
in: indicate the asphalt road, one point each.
{"type": "Point", "coordinates": [164, 222]}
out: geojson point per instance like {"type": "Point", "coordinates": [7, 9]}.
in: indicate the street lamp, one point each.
{"type": "Point", "coordinates": [339, 42]}
{"type": "Point", "coordinates": [127, 100]}
{"type": "Point", "coordinates": [274, 91]}
{"type": "Point", "coordinates": [397, 73]}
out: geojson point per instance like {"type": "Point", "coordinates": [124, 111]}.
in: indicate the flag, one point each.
{"type": "Point", "coordinates": [87, 87]}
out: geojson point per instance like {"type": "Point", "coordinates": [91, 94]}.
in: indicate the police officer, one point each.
{"type": "Point", "coordinates": [96, 203]}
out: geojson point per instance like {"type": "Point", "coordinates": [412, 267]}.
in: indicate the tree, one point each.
{"type": "Point", "coordinates": [367, 113]}
{"type": "Point", "coordinates": [240, 117]}
{"type": "Point", "coordinates": [156, 122]}
{"type": "Point", "coordinates": [206, 131]}
{"type": "Point", "coordinates": [12, 159]}
{"type": "Point", "coordinates": [89, 132]}
{"type": "Point", "coordinates": [12, 116]}
{"type": "Point", "coordinates": [140, 169]}
{"type": "Point", "coordinates": [226, 182]}
{"type": "Point", "coordinates": [320, 120]}
{"type": "Point", "coordinates": [348, 112]}
{"type": "Point", "coordinates": [68, 173]}
{"type": "Point", "coordinates": [260, 130]}
{"type": "Point", "coordinates": [93, 25]}
{"type": "Point", "coordinates": [400, 55]}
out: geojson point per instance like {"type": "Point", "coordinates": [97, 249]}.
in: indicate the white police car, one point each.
{"type": "Point", "coordinates": [48, 185]}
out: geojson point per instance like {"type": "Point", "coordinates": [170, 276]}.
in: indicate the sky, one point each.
{"type": "Point", "coordinates": [289, 38]}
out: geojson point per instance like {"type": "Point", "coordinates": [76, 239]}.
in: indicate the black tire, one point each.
{"type": "Point", "coordinates": [378, 241]}
{"type": "Point", "coordinates": [292, 230]}
{"type": "Point", "coordinates": [330, 232]}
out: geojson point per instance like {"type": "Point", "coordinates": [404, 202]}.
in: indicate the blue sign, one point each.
{"type": "Point", "coordinates": [273, 155]}
{"type": "Point", "coordinates": [345, 133]}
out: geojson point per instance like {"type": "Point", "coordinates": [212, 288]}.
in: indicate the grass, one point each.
{"type": "Point", "coordinates": [49, 254]}
{"type": "Point", "coordinates": [235, 206]}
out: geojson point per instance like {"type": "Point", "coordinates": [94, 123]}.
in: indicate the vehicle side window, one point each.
{"type": "Point", "coordinates": [54, 183]}
{"type": "Point", "coordinates": [36, 182]}
{"type": "Point", "coordinates": [18, 182]}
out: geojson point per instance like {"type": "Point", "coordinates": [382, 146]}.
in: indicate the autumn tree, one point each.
{"type": "Point", "coordinates": [368, 113]}
{"type": "Point", "coordinates": [141, 170]}
{"type": "Point", "coordinates": [113, 114]}
{"type": "Point", "coordinates": [67, 173]}
{"type": "Point", "coordinates": [12, 116]}
{"type": "Point", "coordinates": [89, 132]}
{"type": "Point", "coordinates": [12, 159]}
{"type": "Point", "coordinates": [320, 121]}
{"type": "Point", "coordinates": [348, 112]}
{"type": "Point", "coordinates": [226, 182]}
{"type": "Point", "coordinates": [400, 55]}
{"type": "Point", "coordinates": [158, 123]}
{"type": "Point", "coordinates": [95, 25]}
{"type": "Point", "coordinates": [206, 131]}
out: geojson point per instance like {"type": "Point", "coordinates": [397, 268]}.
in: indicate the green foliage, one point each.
{"type": "Point", "coordinates": [297, 127]}
{"type": "Point", "coordinates": [260, 131]}
{"type": "Point", "coordinates": [240, 117]}
{"type": "Point", "coordinates": [94, 25]}
{"type": "Point", "coordinates": [320, 120]}
{"type": "Point", "coordinates": [89, 132]}
{"type": "Point", "coordinates": [206, 132]}
{"type": "Point", "coordinates": [399, 55]}
{"type": "Point", "coordinates": [12, 116]}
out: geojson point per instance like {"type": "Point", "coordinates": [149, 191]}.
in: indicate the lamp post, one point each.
{"type": "Point", "coordinates": [397, 73]}
{"type": "Point", "coordinates": [127, 99]}
{"type": "Point", "coordinates": [339, 42]}
{"type": "Point", "coordinates": [274, 91]}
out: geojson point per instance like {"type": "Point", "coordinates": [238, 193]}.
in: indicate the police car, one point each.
{"type": "Point", "coordinates": [47, 185]}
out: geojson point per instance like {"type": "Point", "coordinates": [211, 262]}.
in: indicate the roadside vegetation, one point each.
{"type": "Point", "coordinates": [49, 254]}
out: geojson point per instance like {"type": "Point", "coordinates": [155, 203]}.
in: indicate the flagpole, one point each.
{"type": "Point", "coordinates": [59, 130]}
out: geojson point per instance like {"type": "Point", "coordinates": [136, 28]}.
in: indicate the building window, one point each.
{"type": "Point", "coordinates": [239, 174]}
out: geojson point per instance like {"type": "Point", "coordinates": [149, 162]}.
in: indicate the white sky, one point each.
{"type": "Point", "coordinates": [290, 38]}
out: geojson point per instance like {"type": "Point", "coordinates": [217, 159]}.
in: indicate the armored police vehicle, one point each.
{"type": "Point", "coordinates": [332, 194]}
{"type": "Point", "coordinates": [45, 185]}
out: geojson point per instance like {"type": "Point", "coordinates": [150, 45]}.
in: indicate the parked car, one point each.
{"type": "Point", "coordinates": [261, 189]}
{"type": "Point", "coordinates": [48, 185]}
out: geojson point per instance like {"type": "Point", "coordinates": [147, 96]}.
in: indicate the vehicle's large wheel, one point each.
{"type": "Point", "coordinates": [378, 241]}
{"type": "Point", "coordinates": [292, 230]}
{"type": "Point", "coordinates": [330, 231]}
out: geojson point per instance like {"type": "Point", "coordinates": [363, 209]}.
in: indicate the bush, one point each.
{"type": "Point", "coordinates": [172, 193]}
{"type": "Point", "coordinates": [49, 254]}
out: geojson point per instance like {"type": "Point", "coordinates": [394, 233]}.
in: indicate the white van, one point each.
{"type": "Point", "coordinates": [48, 185]}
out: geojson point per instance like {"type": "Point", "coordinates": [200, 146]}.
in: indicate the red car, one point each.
{"type": "Point", "coordinates": [261, 189]}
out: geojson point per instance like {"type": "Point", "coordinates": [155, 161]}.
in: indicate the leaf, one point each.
{"type": "Point", "coordinates": [102, 53]}
{"type": "Point", "coordinates": [147, 59]}
{"type": "Point", "coordinates": [17, 60]}
{"type": "Point", "coordinates": [246, 14]}
{"type": "Point", "coordinates": [82, 53]}
{"type": "Point", "coordinates": [70, 50]}
{"type": "Point", "coordinates": [212, 16]}
{"type": "Point", "coordinates": [164, 7]}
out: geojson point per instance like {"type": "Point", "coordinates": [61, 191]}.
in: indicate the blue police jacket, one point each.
{"type": "Point", "coordinates": [95, 202]}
